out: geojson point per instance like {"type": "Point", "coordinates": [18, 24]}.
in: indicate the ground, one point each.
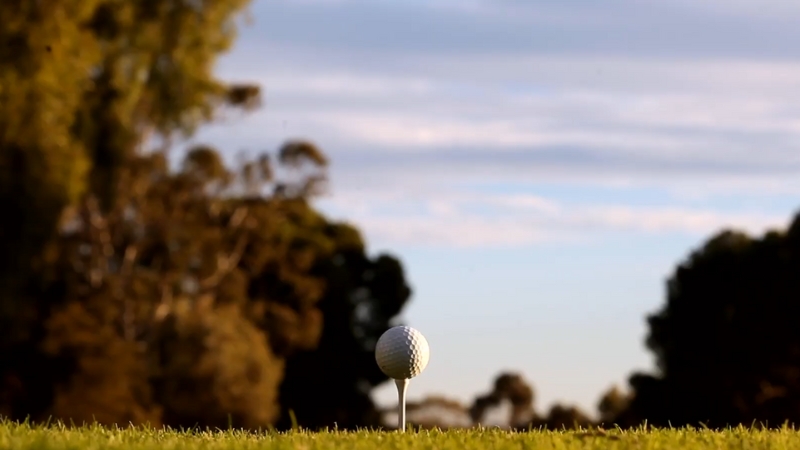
{"type": "Point", "coordinates": [58, 437]}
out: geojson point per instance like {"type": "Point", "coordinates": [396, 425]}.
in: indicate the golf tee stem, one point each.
{"type": "Point", "coordinates": [402, 385]}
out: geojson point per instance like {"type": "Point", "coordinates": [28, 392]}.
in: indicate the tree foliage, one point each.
{"type": "Point", "coordinates": [436, 412]}
{"type": "Point", "coordinates": [363, 295]}
{"type": "Point", "coordinates": [215, 368]}
{"type": "Point", "coordinates": [84, 85]}
{"type": "Point", "coordinates": [513, 390]}
{"type": "Point", "coordinates": [136, 292]}
{"type": "Point", "coordinates": [612, 404]}
{"type": "Point", "coordinates": [726, 342]}
{"type": "Point", "coordinates": [563, 417]}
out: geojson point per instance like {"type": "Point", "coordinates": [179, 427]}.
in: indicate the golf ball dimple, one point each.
{"type": "Point", "coordinates": [402, 352]}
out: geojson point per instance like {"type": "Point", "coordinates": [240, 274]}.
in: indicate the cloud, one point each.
{"type": "Point", "coordinates": [620, 27]}
{"type": "Point", "coordinates": [773, 10]}
{"type": "Point", "coordinates": [590, 77]}
{"type": "Point", "coordinates": [419, 104]}
{"type": "Point", "coordinates": [675, 118]}
{"type": "Point", "coordinates": [465, 220]}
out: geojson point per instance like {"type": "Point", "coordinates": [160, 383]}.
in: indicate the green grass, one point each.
{"type": "Point", "coordinates": [13, 436]}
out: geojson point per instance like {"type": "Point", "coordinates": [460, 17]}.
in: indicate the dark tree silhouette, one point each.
{"type": "Point", "coordinates": [433, 411]}
{"type": "Point", "coordinates": [512, 388]}
{"type": "Point", "coordinates": [613, 403]}
{"type": "Point", "coordinates": [332, 383]}
{"type": "Point", "coordinates": [727, 341]}
{"type": "Point", "coordinates": [561, 417]}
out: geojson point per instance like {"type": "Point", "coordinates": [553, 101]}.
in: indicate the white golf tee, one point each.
{"type": "Point", "coordinates": [402, 385]}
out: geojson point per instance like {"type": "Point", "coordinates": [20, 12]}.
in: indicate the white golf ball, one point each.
{"type": "Point", "coordinates": [402, 352]}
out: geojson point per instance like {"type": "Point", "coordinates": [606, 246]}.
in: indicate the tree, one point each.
{"type": "Point", "coordinates": [726, 342]}
{"type": "Point", "coordinates": [113, 256]}
{"type": "Point", "coordinates": [611, 405]}
{"type": "Point", "coordinates": [152, 294]}
{"type": "Point", "coordinates": [107, 381]}
{"type": "Point", "coordinates": [435, 411]}
{"type": "Point", "coordinates": [511, 388]}
{"type": "Point", "coordinates": [212, 283]}
{"type": "Point", "coordinates": [332, 383]}
{"type": "Point", "coordinates": [84, 86]}
{"type": "Point", "coordinates": [217, 369]}
{"type": "Point", "coordinates": [561, 417]}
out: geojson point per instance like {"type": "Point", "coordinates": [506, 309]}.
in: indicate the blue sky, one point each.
{"type": "Point", "coordinates": [539, 167]}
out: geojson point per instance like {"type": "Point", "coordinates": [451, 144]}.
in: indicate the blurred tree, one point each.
{"type": "Point", "coordinates": [562, 417]}
{"type": "Point", "coordinates": [331, 382]}
{"type": "Point", "coordinates": [108, 382]}
{"type": "Point", "coordinates": [511, 388]}
{"type": "Point", "coordinates": [613, 403]}
{"type": "Point", "coordinates": [217, 369]}
{"type": "Point", "coordinates": [726, 342]}
{"type": "Point", "coordinates": [176, 240]}
{"type": "Point", "coordinates": [84, 85]}
{"type": "Point", "coordinates": [434, 412]}
{"type": "Point", "coordinates": [42, 166]}
{"type": "Point", "coordinates": [111, 256]}
{"type": "Point", "coordinates": [116, 277]}
{"type": "Point", "coordinates": [212, 290]}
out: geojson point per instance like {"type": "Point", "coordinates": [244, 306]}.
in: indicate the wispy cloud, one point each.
{"type": "Point", "coordinates": [680, 116]}
{"type": "Point", "coordinates": [480, 220]}
{"type": "Point", "coordinates": [419, 102]}
{"type": "Point", "coordinates": [649, 28]}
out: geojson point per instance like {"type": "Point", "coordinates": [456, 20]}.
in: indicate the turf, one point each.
{"type": "Point", "coordinates": [13, 436]}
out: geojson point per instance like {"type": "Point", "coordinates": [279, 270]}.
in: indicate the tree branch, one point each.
{"type": "Point", "coordinates": [226, 263]}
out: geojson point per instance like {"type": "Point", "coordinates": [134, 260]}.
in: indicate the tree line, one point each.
{"type": "Point", "coordinates": [139, 286]}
